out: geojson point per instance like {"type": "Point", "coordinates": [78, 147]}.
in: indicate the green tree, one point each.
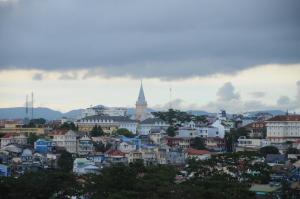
{"type": "Point", "coordinates": [65, 161]}
{"type": "Point", "coordinates": [232, 137]}
{"type": "Point", "coordinates": [292, 151]}
{"type": "Point", "coordinates": [68, 126]}
{"type": "Point", "coordinates": [268, 150]}
{"type": "Point", "coordinates": [171, 131]}
{"type": "Point", "coordinates": [38, 122]}
{"type": "Point", "coordinates": [124, 132]}
{"type": "Point", "coordinates": [32, 138]}
{"type": "Point", "coordinates": [198, 143]}
{"type": "Point", "coordinates": [96, 131]}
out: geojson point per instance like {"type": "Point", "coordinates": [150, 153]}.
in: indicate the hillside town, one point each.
{"type": "Point", "coordinates": [261, 150]}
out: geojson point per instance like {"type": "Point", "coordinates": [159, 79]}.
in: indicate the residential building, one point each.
{"type": "Point", "coordinates": [84, 166]}
{"type": "Point", "coordinates": [13, 139]}
{"type": "Point", "coordinates": [44, 146]}
{"type": "Point", "coordinates": [66, 140]}
{"type": "Point", "coordinates": [257, 129]}
{"type": "Point", "coordinates": [134, 156]}
{"type": "Point", "coordinates": [245, 144]}
{"type": "Point", "coordinates": [85, 146]}
{"type": "Point", "coordinates": [5, 170]}
{"type": "Point", "coordinates": [149, 154]}
{"type": "Point", "coordinates": [198, 154]}
{"type": "Point", "coordinates": [175, 156]}
{"type": "Point", "coordinates": [221, 128]}
{"type": "Point", "coordinates": [215, 143]}
{"type": "Point", "coordinates": [127, 146]}
{"type": "Point", "coordinates": [283, 128]}
{"type": "Point", "coordinates": [113, 156]}
{"type": "Point", "coordinates": [147, 125]}
{"type": "Point", "coordinates": [26, 155]}
{"type": "Point", "coordinates": [187, 132]}
{"type": "Point", "coordinates": [178, 142]}
{"type": "Point", "coordinates": [156, 135]}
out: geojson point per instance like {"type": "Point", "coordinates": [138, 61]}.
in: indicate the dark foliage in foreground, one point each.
{"type": "Point", "coordinates": [134, 181]}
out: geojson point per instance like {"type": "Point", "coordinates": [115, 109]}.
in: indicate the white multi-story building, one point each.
{"type": "Point", "coordinates": [283, 128]}
{"type": "Point", "coordinates": [13, 139]}
{"type": "Point", "coordinates": [208, 131]}
{"type": "Point", "coordinates": [107, 123]}
{"type": "Point", "coordinates": [66, 140]}
{"type": "Point", "coordinates": [251, 144]}
{"type": "Point", "coordinates": [151, 123]}
{"type": "Point", "coordinates": [222, 128]}
{"type": "Point", "coordinates": [85, 146]}
{"type": "Point", "coordinates": [103, 110]}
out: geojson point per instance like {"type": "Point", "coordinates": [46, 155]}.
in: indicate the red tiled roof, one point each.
{"type": "Point", "coordinates": [192, 151]}
{"type": "Point", "coordinates": [114, 152]}
{"type": "Point", "coordinates": [8, 135]}
{"type": "Point", "coordinates": [59, 132]}
{"type": "Point", "coordinates": [285, 118]}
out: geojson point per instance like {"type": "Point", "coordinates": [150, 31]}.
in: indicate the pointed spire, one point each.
{"type": "Point", "coordinates": [141, 99]}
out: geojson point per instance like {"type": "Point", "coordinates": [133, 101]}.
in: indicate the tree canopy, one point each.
{"type": "Point", "coordinates": [96, 131]}
{"type": "Point", "coordinates": [124, 132]}
{"type": "Point", "coordinates": [68, 126]}
{"type": "Point", "coordinates": [65, 161]}
{"type": "Point", "coordinates": [171, 131]}
{"type": "Point", "coordinates": [198, 143]}
{"type": "Point", "coordinates": [269, 150]}
{"type": "Point", "coordinates": [291, 150]}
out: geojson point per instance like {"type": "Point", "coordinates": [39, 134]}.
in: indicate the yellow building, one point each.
{"type": "Point", "coordinates": [17, 128]}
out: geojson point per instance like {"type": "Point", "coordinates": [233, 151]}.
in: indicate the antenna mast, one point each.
{"type": "Point", "coordinates": [32, 105]}
{"type": "Point", "coordinates": [26, 110]}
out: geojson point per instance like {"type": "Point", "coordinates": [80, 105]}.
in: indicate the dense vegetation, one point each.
{"type": "Point", "coordinates": [174, 117]}
{"type": "Point", "coordinates": [133, 181]}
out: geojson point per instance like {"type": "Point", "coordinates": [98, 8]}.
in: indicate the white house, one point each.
{"type": "Point", "coordinates": [251, 144]}
{"type": "Point", "coordinates": [151, 123]}
{"type": "Point", "coordinates": [66, 140]}
{"type": "Point", "coordinates": [126, 147]}
{"type": "Point", "coordinates": [84, 166]}
{"type": "Point", "coordinates": [221, 128]}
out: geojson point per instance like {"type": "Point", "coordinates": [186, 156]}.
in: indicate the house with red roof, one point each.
{"type": "Point", "coordinates": [198, 154]}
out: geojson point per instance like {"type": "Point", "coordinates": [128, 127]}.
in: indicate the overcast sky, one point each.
{"type": "Point", "coordinates": [233, 54]}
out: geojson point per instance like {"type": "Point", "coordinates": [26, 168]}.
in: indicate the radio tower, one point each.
{"type": "Point", "coordinates": [26, 110]}
{"type": "Point", "coordinates": [32, 105]}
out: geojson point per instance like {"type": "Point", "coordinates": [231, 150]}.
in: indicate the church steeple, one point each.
{"type": "Point", "coordinates": [141, 99]}
{"type": "Point", "coordinates": [141, 105]}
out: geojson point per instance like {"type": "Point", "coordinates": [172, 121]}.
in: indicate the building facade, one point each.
{"type": "Point", "coordinates": [109, 124]}
{"type": "Point", "coordinates": [283, 128]}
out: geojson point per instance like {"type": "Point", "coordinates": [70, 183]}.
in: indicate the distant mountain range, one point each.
{"type": "Point", "coordinates": [50, 114]}
{"type": "Point", "coordinates": [39, 112]}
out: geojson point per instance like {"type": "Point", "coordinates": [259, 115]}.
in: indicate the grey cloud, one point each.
{"type": "Point", "coordinates": [38, 76]}
{"type": "Point", "coordinates": [258, 94]}
{"type": "Point", "coordinates": [140, 38]}
{"type": "Point", "coordinates": [283, 101]}
{"type": "Point", "coordinates": [227, 92]}
{"type": "Point", "coordinates": [230, 101]}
